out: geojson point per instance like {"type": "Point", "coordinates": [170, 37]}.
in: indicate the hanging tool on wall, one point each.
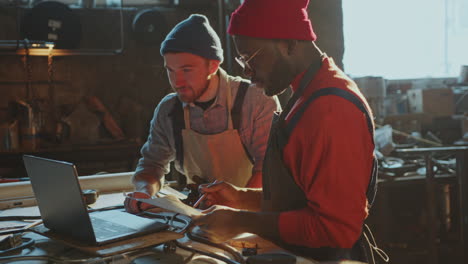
{"type": "Point", "coordinates": [109, 122]}
{"type": "Point", "coordinates": [52, 21]}
{"type": "Point", "coordinates": [23, 112]}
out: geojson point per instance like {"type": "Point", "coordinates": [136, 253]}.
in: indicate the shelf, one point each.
{"type": "Point", "coordinates": [89, 159]}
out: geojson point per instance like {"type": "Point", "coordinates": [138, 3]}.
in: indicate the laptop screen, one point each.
{"type": "Point", "coordinates": [59, 197]}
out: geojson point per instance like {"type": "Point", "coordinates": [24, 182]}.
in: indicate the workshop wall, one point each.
{"type": "Point", "coordinates": [327, 20]}
{"type": "Point", "coordinates": [129, 84]}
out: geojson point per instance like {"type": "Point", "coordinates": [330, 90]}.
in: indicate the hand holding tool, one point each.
{"type": "Point", "coordinates": [197, 203]}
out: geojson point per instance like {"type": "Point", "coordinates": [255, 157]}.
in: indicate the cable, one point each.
{"type": "Point", "coordinates": [90, 210]}
{"type": "Point", "coordinates": [373, 246]}
{"type": "Point", "coordinates": [213, 255]}
{"type": "Point", "coordinates": [19, 217]}
{"type": "Point", "coordinates": [49, 259]}
{"type": "Point", "coordinates": [189, 258]}
{"type": "Point", "coordinates": [236, 255]}
{"type": "Point", "coordinates": [170, 219]}
{"type": "Point", "coordinates": [27, 242]}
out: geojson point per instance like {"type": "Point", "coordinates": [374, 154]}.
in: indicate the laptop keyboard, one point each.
{"type": "Point", "coordinates": [104, 229]}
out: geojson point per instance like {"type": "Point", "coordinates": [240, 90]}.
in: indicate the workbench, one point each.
{"type": "Point", "coordinates": [46, 249]}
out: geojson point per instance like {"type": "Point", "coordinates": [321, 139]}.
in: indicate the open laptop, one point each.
{"type": "Point", "coordinates": [63, 210]}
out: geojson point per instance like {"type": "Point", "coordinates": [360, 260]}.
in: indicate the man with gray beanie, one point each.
{"type": "Point", "coordinates": [215, 126]}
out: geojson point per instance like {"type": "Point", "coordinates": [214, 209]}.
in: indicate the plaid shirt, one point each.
{"type": "Point", "coordinates": [257, 113]}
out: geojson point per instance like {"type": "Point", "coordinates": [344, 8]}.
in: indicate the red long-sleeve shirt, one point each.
{"type": "Point", "coordinates": [329, 154]}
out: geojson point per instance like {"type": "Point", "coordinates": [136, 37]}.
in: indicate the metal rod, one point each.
{"type": "Point", "coordinates": [221, 28]}
{"type": "Point", "coordinates": [462, 176]}
{"type": "Point", "coordinates": [401, 133]}
{"type": "Point", "coordinates": [429, 150]}
{"type": "Point", "coordinates": [431, 205]}
{"type": "Point", "coordinates": [228, 47]}
{"type": "Point", "coordinates": [10, 193]}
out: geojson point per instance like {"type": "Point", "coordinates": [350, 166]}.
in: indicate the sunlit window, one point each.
{"type": "Point", "coordinates": [400, 39]}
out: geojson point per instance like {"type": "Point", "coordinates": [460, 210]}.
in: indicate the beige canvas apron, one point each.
{"type": "Point", "coordinates": [218, 156]}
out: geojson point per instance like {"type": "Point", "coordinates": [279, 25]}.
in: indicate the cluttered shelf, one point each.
{"type": "Point", "coordinates": [89, 159]}
{"type": "Point", "coordinates": [422, 194]}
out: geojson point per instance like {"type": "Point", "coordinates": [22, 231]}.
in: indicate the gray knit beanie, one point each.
{"type": "Point", "coordinates": [194, 35]}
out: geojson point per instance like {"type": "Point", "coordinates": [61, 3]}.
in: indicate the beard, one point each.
{"type": "Point", "coordinates": [279, 78]}
{"type": "Point", "coordinates": [189, 95]}
{"type": "Point", "coordinates": [185, 94]}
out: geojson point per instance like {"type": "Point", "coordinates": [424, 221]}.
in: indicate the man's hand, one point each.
{"type": "Point", "coordinates": [133, 206]}
{"type": "Point", "coordinates": [223, 193]}
{"type": "Point", "coordinates": [145, 187]}
{"type": "Point", "coordinates": [220, 225]}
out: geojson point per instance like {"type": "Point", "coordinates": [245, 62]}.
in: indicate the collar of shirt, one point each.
{"type": "Point", "coordinates": [221, 94]}
{"type": "Point", "coordinates": [327, 64]}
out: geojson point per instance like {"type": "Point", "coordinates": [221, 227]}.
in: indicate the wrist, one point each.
{"type": "Point", "coordinates": [263, 224]}
{"type": "Point", "coordinates": [245, 221]}
{"type": "Point", "coordinates": [250, 199]}
{"type": "Point", "coordinates": [149, 188]}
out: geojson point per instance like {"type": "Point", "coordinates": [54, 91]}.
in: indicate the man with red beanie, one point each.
{"type": "Point", "coordinates": [319, 171]}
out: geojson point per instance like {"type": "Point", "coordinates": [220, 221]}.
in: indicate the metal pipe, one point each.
{"type": "Point", "coordinates": [447, 209]}
{"type": "Point", "coordinates": [18, 194]}
{"type": "Point", "coordinates": [462, 175]}
{"type": "Point", "coordinates": [221, 29]}
{"type": "Point", "coordinates": [228, 46]}
{"type": "Point", "coordinates": [431, 210]}
{"type": "Point", "coordinates": [397, 132]}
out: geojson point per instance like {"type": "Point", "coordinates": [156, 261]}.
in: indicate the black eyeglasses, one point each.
{"type": "Point", "coordinates": [244, 63]}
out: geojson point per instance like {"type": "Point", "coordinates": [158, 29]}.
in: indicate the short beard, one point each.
{"type": "Point", "coordinates": [194, 96]}
{"type": "Point", "coordinates": [279, 78]}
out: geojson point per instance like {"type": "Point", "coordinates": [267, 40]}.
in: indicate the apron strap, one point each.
{"type": "Point", "coordinates": [349, 96]}
{"type": "Point", "coordinates": [187, 117]}
{"type": "Point", "coordinates": [177, 117]}
{"type": "Point", "coordinates": [229, 106]}
{"type": "Point", "coordinates": [179, 122]}
{"type": "Point", "coordinates": [236, 111]}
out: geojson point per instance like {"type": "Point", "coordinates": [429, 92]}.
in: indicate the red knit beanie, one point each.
{"type": "Point", "coordinates": [272, 19]}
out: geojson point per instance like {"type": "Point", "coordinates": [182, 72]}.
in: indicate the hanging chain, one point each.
{"type": "Point", "coordinates": [50, 75]}
{"type": "Point", "coordinates": [29, 131]}
{"type": "Point", "coordinates": [28, 69]}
